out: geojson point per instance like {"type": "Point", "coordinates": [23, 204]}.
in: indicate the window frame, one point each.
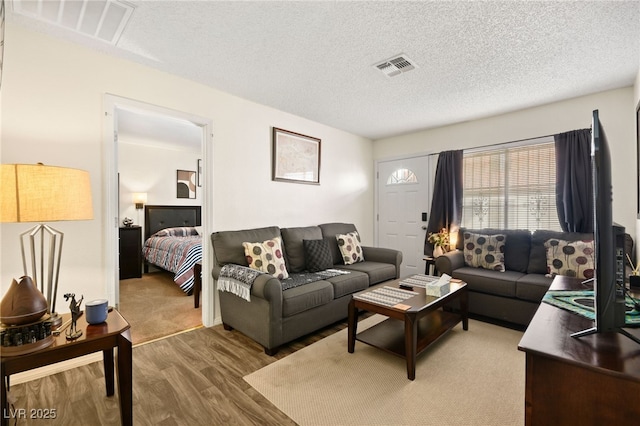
{"type": "Point", "coordinates": [503, 190]}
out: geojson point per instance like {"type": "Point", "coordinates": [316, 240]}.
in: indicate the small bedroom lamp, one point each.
{"type": "Point", "coordinates": [140, 199]}
{"type": "Point", "coordinates": [39, 193]}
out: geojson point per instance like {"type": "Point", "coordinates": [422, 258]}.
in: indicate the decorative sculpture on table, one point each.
{"type": "Point", "coordinates": [73, 333]}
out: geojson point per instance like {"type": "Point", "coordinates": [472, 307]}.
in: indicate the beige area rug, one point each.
{"type": "Point", "coordinates": [156, 307]}
{"type": "Point", "coordinates": [473, 377]}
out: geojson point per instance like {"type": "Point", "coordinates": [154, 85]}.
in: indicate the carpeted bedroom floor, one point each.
{"type": "Point", "coordinates": [156, 307]}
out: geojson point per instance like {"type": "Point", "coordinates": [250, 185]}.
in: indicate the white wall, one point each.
{"type": "Point", "coordinates": [52, 112]}
{"type": "Point", "coordinates": [617, 114]}
{"type": "Point", "coordinates": [636, 89]}
{"type": "Point", "coordinates": [153, 170]}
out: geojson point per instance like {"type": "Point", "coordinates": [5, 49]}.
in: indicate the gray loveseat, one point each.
{"type": "Point", "coordinates": [275, 316]}
{"type": "Point", "coordinates": [515, 294]}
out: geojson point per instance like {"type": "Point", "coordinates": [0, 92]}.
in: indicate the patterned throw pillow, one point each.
{"type": "Point", "coordinates": [349, 245]}
{"type": "Point", "coordinates": [267, 257]}
{"type": "Point", "coordinates": [570, 258]}
{"type": "Point", "coordinates": [484, 251]}
{"type": "Point", "coordinates": [317, 256]}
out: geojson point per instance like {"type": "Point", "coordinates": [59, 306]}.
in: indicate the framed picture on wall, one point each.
{"type": "Point", "coordinates": [186, 184]}
{"type": "Point", "coordinates": [199, 170]}
{"type": "Point", "coordinates": [295, 157]}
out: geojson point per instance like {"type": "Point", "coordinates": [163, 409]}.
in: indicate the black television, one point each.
{"type": "Point", "coordinates": [608, 281]}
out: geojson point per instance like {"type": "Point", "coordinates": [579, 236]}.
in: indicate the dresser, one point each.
{"type": "Point", "coordinates": [130, 252]}
{"type": "Point", "coordinates": [590, 380]}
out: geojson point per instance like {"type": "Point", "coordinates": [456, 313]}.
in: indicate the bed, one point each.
{"type": "Point", "coordinates": [172, 243]}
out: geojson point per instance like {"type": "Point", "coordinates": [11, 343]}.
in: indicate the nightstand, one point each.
{"type": "Point", "coordinates": [130, 252]}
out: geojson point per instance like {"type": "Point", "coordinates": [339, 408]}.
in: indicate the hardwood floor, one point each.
{"type": "Point", "coordinates": [193, 378]}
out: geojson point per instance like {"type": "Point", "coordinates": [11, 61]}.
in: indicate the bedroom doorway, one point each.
{"type": "Point", "coordinates": [149, 145]}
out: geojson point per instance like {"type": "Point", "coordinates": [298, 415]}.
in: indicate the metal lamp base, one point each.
{"type": "Point", "coordinates": [55, 320]}
{"type": "Point", "coordinates": [49, 267]}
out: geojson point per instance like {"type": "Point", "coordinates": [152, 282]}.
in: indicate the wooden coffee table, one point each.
{"type": "Point", "coordinates": [412, 325]}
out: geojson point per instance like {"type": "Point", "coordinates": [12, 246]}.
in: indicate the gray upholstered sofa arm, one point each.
{"type": "Point", "coordinates": [267, 287]}
{"type": "Point", "coordinates": [450, 261]}
{"type": "Point", "coordinates": [383, 255]}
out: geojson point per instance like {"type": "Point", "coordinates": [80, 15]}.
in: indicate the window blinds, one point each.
{"type": "Point", "coordinates": [510, 188]}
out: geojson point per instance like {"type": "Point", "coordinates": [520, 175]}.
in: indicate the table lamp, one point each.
{"type": "Point", "coordinates": [39, 193]}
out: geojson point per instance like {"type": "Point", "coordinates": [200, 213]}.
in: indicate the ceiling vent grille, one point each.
{"type": "Point", "coordinates": [395, 66]}
{"type": "Point", "coordinates": [103, 20]}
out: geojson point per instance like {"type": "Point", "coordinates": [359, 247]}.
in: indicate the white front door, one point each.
{"type": "Point", "coordinates": [403, 197]}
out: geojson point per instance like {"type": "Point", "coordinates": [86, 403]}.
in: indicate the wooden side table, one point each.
{"type": "Point", "coordinates": [114, 333]}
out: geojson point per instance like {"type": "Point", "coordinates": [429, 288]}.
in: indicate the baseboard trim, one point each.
{"type": "Point", "coordinates": [47, 370]}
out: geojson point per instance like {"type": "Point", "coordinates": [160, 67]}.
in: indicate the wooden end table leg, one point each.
{"type": "Point", "coordinates": [125, 378]}
{"type": "Point", "coordinates": [3, 395]}
{"type": "Point", "coordinates": [464, 308]}
{"type": "Point", "coordinates": [107, 358]}
{"type": "Point", "coordinates": [352, 326]}
{"type": "Point", "coordinates": [410, 344]}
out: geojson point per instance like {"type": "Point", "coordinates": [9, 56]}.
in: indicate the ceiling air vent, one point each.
{"type": "Point", "coordinates": [103, 20]}
{"type": "Point", "coordinates": [396, 65]}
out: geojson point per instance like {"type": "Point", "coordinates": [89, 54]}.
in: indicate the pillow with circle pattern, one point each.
{"type": "Point", "coordinates": [570, 258]}
{"type": "Point", "coordinates": [349, 245]}
{"type": "Point", "coordinates": [484, 251]}
{"type": "Point", "coordinates": [267, 257]}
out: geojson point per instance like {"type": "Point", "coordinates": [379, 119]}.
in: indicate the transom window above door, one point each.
{"type": "Point", "coordinates": [402, 176]}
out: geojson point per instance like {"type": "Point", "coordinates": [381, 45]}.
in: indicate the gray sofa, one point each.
{"type": "Point", "coordinates": [274, 317]}
{"type": "Point", "coordinates": [515, 294]}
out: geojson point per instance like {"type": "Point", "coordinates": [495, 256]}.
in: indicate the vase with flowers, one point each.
{"type": "Point", "coordinates": [440, 241]}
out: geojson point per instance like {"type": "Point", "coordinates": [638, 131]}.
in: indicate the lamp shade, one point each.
{"type": "Point", "coordinates": [39, 193]}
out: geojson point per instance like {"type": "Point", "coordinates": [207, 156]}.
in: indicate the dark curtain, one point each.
{"type": "Point", "coordinates": [446, 204]}
{"type": "Point", "coordinates": [574, 180]}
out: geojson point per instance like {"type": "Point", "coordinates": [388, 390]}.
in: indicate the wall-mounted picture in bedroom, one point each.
{"type": "Point", "coordinates": [186, 184]}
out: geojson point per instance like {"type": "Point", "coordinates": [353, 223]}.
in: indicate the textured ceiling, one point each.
{"type": "Point", "coordinates": [315, 59]}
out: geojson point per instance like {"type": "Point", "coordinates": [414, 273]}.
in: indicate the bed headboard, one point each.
{"type": "Point", "coordinates": [160, 217]}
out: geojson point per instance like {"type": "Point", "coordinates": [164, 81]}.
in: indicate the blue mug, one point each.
{"type": "Point", "coordinates": [97, 311]}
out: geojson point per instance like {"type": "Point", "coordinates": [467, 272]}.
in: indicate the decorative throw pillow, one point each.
{"type": "Point", "coordinates": [267, 257]}
{"type": "Point", "coordinates": [181, 231]}
{"type": "Point", "coordinates": [349, 245]}
{"type": "Point", "coordinates": [317, 256]}
{"type": "Point", "coordinates": [484, 251]}
{"type": "Point", "coordinates": [570, 258]}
